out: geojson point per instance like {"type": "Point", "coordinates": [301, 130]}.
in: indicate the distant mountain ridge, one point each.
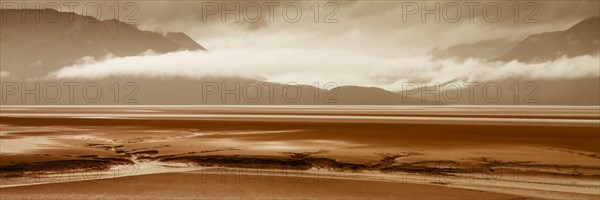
{"type": "Point", "coordinates": [33, 48]}
{"type": "Point", "coordinates": [581, 39]}
{"type": "Point", "coordinates": [184, 40]}
{"type": "Point", "coordinates": [485, 49]}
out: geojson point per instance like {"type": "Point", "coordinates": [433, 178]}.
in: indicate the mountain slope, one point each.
{"type": "Point", "coordinates": [580, 39]}
{"type": "Point", "coordinates": [214, 91]}
{"type": "Point", "coordinates": [33, 48]}
{"type": "Point", "coordinates": [486, 49]}
{"type": "Point", "coordinates": [184, 40]}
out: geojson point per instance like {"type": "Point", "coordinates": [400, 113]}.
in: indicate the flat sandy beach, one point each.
{"type": "Point", "coordinates": [344, 152]}
{"type": "Point", "coordinates": [192, 186]}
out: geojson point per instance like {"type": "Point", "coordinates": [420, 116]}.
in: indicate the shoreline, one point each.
{"type": "Point", "coordinates": [544, 186]}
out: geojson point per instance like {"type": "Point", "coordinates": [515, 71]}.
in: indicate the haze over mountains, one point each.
{"type": "Point", "coordinates": [31, 49]}
{"type": "Point", "coordinates": [582, 38]}
{"type": "Point", "coordinates": [184, 41]}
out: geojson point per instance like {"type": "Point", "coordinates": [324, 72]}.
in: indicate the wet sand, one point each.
{"type": "Point", "coordinates": [394, 152]}
{"type": "Point", "coordinates": [212, 186]}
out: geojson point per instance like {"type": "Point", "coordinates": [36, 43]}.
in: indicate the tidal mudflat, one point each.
{"type": "Point", "coordinates": [396, 152]}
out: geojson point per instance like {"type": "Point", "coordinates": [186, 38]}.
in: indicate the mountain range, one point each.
{"type": "Point", "coordinates": [583, 38]}
{"type": "Point", "coordinates": [30, 49]}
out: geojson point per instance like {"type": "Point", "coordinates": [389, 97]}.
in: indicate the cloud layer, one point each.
{"type": "Point", "coordinates": [4, 74]}
{"type": "Point", "coordinates": [344, 67]}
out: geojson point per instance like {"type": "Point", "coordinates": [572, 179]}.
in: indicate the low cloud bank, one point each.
{"type": "Point", "coordinates": [4, 74]}
{"type": "Point", "coordinates": [343, 67]}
